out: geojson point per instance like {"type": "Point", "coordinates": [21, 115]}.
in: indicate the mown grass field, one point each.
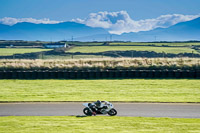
{"type": "Point", "coordinates": [11, 51]}
{"type": "Point", "coordinates": [96, 49]}
{"type": "Point", "coordinates": [103, 124]}
{"type": "Point", "coordinates": [86, 43]}
{"type": "Point", "coordinates": [136, 90]}
{"type": "Point", "coordinates": [157, 44]}
{"type": "Point", "coordinates": [139, 43]}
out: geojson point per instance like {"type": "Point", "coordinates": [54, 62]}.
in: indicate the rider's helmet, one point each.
{"type": "Point", "coordinates": [98, 103]}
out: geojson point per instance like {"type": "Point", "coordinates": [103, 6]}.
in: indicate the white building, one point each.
{"type": "Point", "coordinates": [55, 45]}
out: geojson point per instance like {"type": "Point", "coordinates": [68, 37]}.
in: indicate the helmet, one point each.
{"type": "Point", "coordinates": [98, 103]}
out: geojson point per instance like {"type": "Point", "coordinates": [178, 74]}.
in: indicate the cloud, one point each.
{"type": "Point", "coordinates": [13, 21]}
{"type": "Point", "coordinates": [115, 22]}
{"type": "Point", "coordinates": [120, 22]}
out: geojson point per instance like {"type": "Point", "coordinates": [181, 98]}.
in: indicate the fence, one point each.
{"type": "Point", "coordinates": [100, 74]}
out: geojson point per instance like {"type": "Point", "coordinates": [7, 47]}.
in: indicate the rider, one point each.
{"type": "Point", "coordinates": [98, 104]}
{"type": "Point", "coordinates": [102, 106]}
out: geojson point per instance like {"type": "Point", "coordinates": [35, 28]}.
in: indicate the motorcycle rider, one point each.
{"type": "Point", "coordinates": [99, 105]}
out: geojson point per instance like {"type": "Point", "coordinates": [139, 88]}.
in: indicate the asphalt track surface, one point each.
{"type": "Point", "coordinates": [173, 110]}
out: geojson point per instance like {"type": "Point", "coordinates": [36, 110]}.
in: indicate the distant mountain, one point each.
{"type": "Point", "coordinates": [184, 31]}
{"type": "Point", "coordinates": [55, 32]}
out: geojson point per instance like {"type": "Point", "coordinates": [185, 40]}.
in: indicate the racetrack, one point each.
{"type": "Point", "coordinates": [173, 110]}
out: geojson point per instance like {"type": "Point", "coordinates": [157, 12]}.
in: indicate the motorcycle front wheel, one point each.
{"type": "Point", "coordinates": [87, 112]}
{"type": "Point", "coordinates": [112, 112]}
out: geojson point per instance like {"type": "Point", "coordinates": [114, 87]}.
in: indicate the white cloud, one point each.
{"type": "Point", "coordinates": [120, 22]}
{"type": "Point", "coordinates": [115, 22]}
{"type": "Point", "coordinates": [12, 21]}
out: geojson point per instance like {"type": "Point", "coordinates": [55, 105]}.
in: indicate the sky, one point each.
{"type": "Point", "coordinates": [64, 10]}
{"type": "Point", "coordinates": [117, 16]}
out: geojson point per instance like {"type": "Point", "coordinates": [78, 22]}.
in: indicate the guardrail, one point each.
{"type": "Point", "coordinates": [130, 74]}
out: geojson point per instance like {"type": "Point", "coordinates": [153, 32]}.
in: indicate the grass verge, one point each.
{"type": "Point", "coordinates": [47, 124]}
{"type": "Point", "coordinates": [127, 90]}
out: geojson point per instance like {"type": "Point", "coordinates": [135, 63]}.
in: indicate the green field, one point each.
{"type": "Point", "coordinates": [11, 51]}
{"type": "Point", "coordinates": [95, 49]}
{"type": "Point", "coordinates": [86, 43]}
{"type": "Point", "coordinates": [136, 90]}
{"type": "Point", "coordinates": [185, 44]}
{"type": "Point", "coordinates": [103, 124]}
{"type": "Point", "coordinates": [157, 44]}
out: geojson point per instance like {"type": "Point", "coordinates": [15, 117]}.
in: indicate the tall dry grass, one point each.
{"type": "Point", "coordinates": [101, 64]}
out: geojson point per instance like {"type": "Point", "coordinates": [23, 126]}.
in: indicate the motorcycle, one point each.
{"type": "Point", "coordinates": [90, 109]}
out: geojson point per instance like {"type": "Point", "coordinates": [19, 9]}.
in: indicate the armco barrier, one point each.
{"type": "Point", "coordinates": [192, 74]}
{"type": "Point", "coordinates": [198, 74]}
{"type": "Point", "coordinates": [108, 74]}
{"type": "Point", "coordinates": [151, 74]}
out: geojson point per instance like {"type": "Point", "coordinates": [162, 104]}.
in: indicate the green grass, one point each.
{"type": "Point", "coordinates": [137, 90]}
{"type": "Point", "coordinates": [157, 44]}
{"type": "Point", "coordinates": [95, 49]}
{"type": "Point", "coordinates": [86, 43]}
{"type": "Point", "coordinates": [11, 51]}
{"type": "Point", "coordinates": [103, 124]}
{"type": "Point", "coordinates": [139, 43]}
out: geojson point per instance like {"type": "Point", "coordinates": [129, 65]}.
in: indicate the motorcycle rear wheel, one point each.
{"type": "Point", "coordinates": [112, 112]}
{"type": "Point", "coordinates": [87, 112]}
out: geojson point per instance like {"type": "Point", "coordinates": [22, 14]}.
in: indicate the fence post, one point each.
{"type": "Point", "coordinates": [163, 54]}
